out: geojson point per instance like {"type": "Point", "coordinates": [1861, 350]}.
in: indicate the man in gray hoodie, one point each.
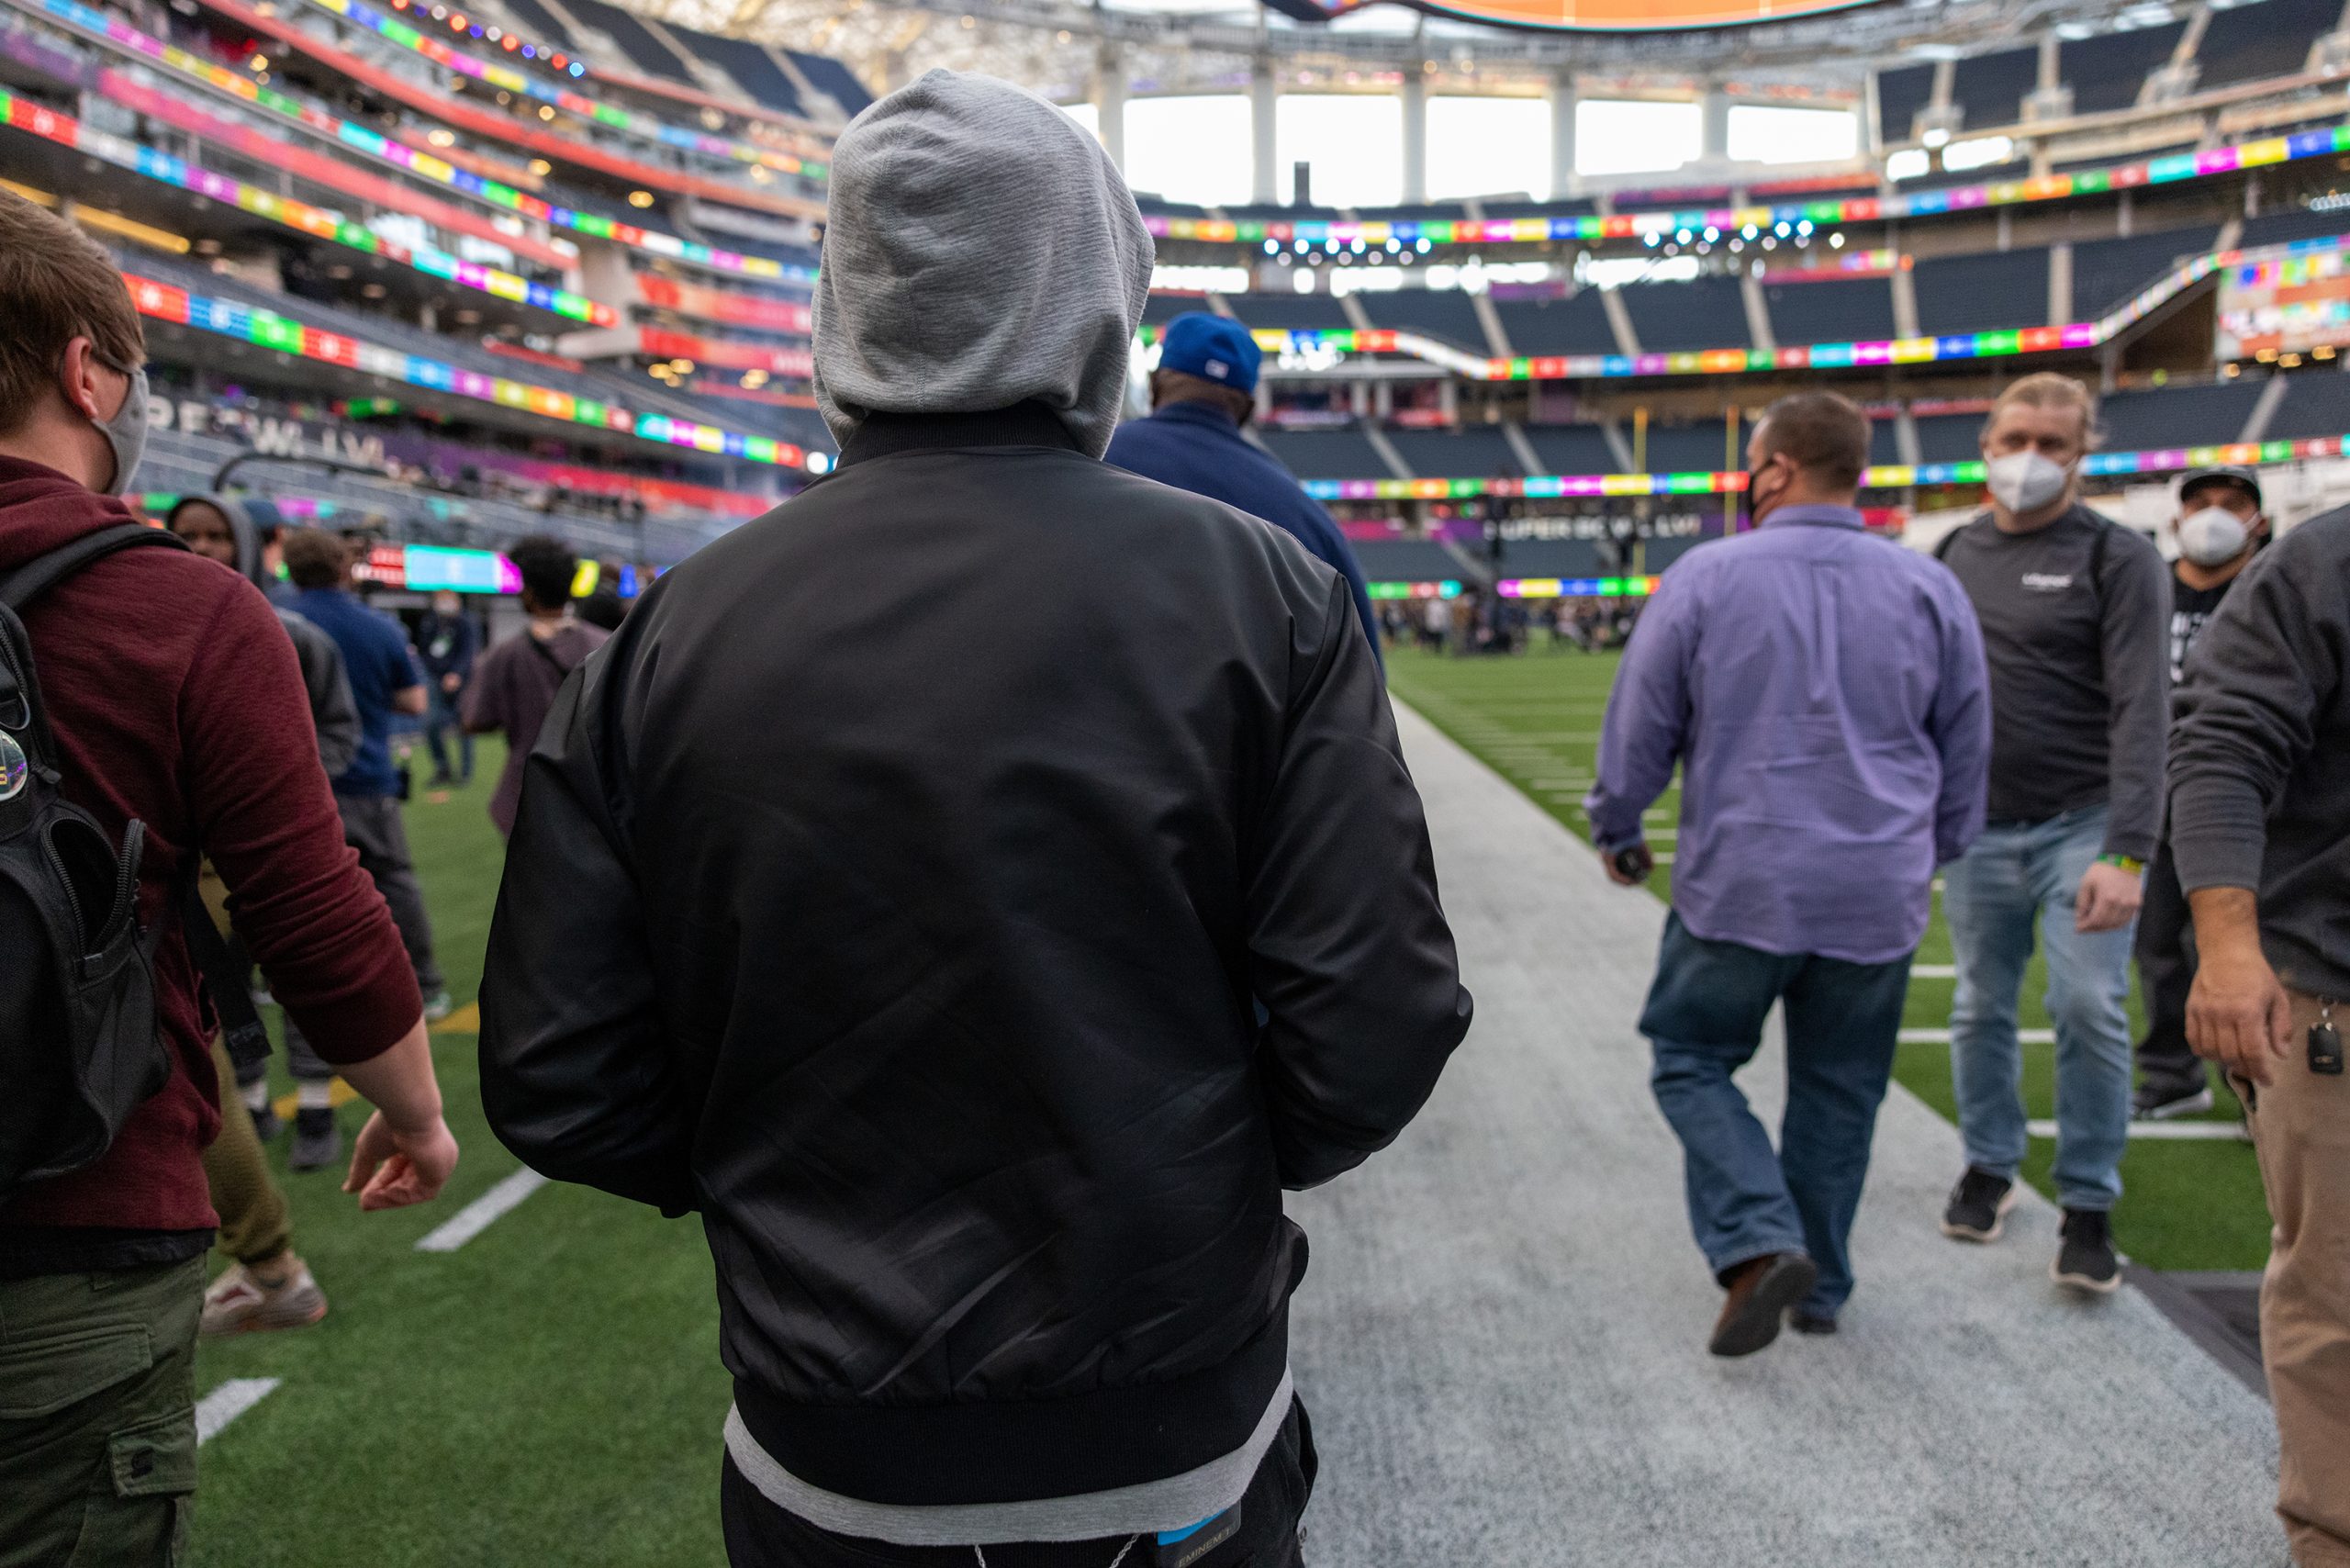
{"type": "Point", "coordinates": [978, 889]}
{"type": "Point", "coordinates": [2260, 828]}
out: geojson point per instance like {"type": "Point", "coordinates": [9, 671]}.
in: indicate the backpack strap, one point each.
{"type": "Point", "coordinates": [38, 575]}
{"type": "Point", "coordinates": [246, 1040]}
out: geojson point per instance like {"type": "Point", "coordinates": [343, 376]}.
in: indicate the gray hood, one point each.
{"type": "Point", "coordinates": [982, 251]}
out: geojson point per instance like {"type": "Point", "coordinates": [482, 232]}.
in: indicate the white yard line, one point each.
{"type": "Point", "coordinates": [1942, 1037]}
{"type": "Point", "coordinates": [227, 1402]}
{"type": "Point", "coordinates": [482, 1211]}
{"type": "Point", "coordinates": [2230, 1131]}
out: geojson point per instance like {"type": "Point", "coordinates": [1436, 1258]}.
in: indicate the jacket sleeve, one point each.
{"type": "Point", "coordinates": [1960, 726]}
{"type": "Point", "coordinates": [334, 711]}
{"type": "Point", "coordinates": [2257, 678]}
{"type": "Point", "coordinates": [2136, 644]}
{"type": "Point", "coordinates": [575, 1076]}
{"type": "Point", "coordinates": [1350, 953]}
{"type": "Point", "coordinates": [265, 816]}
{"type": "Point", "coordinates": [1648, 718]}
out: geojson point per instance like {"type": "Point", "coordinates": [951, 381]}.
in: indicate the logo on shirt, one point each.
{"type": "Point", "coordinates": [14, 769]}
{"type": "Point", "coordinates": [2047, 582]}
{"type": "Point", "coordinates": [1218, 370]}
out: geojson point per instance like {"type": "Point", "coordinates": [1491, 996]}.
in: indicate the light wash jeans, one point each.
{"type": "Point", "coordinates": [2015, 876]}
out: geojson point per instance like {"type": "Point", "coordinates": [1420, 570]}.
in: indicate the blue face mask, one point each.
{"type": "Point", "coordinates": [127, 431]}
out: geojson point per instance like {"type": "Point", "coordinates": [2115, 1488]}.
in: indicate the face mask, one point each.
{"type": "Point", "coordinates": [1754, 503]}
{"type": "Point", "coordinates": [127, 431]}
{"type": "Point", "coordinates": [2025, 481]}
{"type": "Point", "coordinates": [2212, 535]}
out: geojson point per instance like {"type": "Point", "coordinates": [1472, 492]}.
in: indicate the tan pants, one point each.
{"type": "Point", "coordinates": [255, 1226]}
{"type": "Point", "coordinates": [2301, 1123]}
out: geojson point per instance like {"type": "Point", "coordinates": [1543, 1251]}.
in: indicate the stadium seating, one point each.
{"type": "Point", "coordinates": [645, 52]}
{"type": "Point", "coordinates": [1885, 440]}
{"type": "Point", "coordinates": [1831, 311]}
{"type": "Point", "coordinates": [1703, 313]}
{"type": "Point", "coordinates": [1900, 94]}
{"type": "Point", "coordinates": [1326, 453]}
{"type": "Point", "coordinates": [1990, 88]}
{"type": "Point", "coordinates": [2317, 402]}
{"type": "Point", "coordinates": [1983, 293]}
{"type": "Point", "coordinates": [538, 22]}
{"type": "Point", "coordinates": [1551, 558]}
{"type": "Point", "coordinates": [1573, 449]}
{"type": "Point", "coordinates": [2108, 274]}
{"type": "Point", "coordinates": [2138, 420]}
{"type": "Point", "coordinates": [1405, 560]}
{"type": "Point", "coordinates": [1473, 451]}
{"type": "Point", "coordinates": [2109, 71]}
{"type": "Point", "coordinates": [1447, 314]}
{"type": "Point", "coordinates": [751, 67]}
{"type": "Point", "coordinates": [1439, 212]}
{"type": "Point", "coordinates": [1575, 206]}
{"type": "Point", "coordinates": [2268, 38]}
{"type": "Point", "coordinates": [1949, 438]}
{"type": "Point", "coordinates": [1288, 312]}
{"type": "Point", "coordinates": [1575, 325]}
{"type": "Point", "coordinates": [2293, 223]}
{"type": "Point", "coordinates": [832, 78]}
{"type": "Point", "coordinates": [1161, 309]}
{"type": "Point", "coordinates": [1688, 449]}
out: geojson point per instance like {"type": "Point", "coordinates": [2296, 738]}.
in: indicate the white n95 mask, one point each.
{"type": "Point", "coordinates": [2212, 535]}
{"type": "Point", "coordinates": [2025, 481]}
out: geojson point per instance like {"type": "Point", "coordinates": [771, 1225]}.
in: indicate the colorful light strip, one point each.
{"type": "Point", "coordinates": [719, 305]}
{"type": "Point", "coordinates": [18, 114]}
{"type": "Point", "coordinates": [1733, 220]}
{"type": "Point", "coordinates": [425, 166]}
{"type": "Point", "coordinates": [1524, 587]}
{"type": "Point", "coordinates": [727, 353]}
{"type": "Point", "coordinates": [1817, 356]}
{"type": "Point", "coordinates": [1897, 476]}
{"type": "Point", "coordinates": [246, 323]}
{"type": "Point", "coordinates": [629, 122]}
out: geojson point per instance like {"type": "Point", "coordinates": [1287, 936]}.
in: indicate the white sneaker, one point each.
{"type": "Point", "coordinates": [240, 1301]}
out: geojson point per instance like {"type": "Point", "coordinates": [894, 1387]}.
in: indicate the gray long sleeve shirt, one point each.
{"type": "Point", "coordinates": [2260, 753]}
{"type": "Point", "coordinates": [2081, 671]}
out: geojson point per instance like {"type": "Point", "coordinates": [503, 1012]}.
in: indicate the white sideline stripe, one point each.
{"type": "Point", "coordinates": [1942, 1037]}
{"type": "Point", "coordinates": [227, 1402]}
{"type": "Point", "coordinates": [2232, 1131]}
{"type": "Point", "coordinates": [482, 1211]}
{"type": "Point", "coordinates": [1934, 971]}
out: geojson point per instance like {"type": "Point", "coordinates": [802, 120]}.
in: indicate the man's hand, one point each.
{"type": "Point", "coordinates": [392, 1169]}
{"type": "Point", "coordinates": [451, 681]}
{"type": "Point", "coordinates": [2238, 1014]}
{"type": "Point", "coordinates": [2109, 899]}
{"type": "Point", "coordinates": [1630, 866]}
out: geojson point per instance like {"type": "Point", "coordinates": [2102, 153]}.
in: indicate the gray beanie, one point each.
{"type": "Point", "coordinates": [982, 251]}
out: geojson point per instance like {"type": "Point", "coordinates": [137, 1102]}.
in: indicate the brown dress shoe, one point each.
{"type": "Point", "coordinates": [1761, 1291]}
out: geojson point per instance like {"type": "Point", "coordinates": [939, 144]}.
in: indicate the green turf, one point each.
{"type": "Point", "coordinates": [550, 1394]}
{"type": "Point", "coordinates": [1534, 719]}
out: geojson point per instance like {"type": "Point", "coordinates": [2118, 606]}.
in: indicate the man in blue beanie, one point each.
{"type": "Point", "coordinates": [1203, 392]}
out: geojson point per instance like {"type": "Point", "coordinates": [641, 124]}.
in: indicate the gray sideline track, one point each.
{"type": "Point", "coordinates": [1501, 1336]}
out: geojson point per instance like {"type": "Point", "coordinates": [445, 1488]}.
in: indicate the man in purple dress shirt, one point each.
{"type": "Point", "coordinates": [1824, 692]}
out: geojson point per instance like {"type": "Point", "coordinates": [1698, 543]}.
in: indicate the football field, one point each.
{"type": "Point", "coordinates": [548, 1391]}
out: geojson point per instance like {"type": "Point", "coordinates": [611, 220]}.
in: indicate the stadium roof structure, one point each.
{"type": "Point", "coordinates": [1059, 46]}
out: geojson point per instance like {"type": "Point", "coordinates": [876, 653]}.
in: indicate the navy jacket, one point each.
{"type": "Point", "coordinates": [1198, 448]}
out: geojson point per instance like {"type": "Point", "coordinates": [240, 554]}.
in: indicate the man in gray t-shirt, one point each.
{"type": "Point", "coordinates": [2073, 610]}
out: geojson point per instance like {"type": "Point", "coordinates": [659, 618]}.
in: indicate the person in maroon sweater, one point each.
{"type": "Point", "coordinates": [176, 700]}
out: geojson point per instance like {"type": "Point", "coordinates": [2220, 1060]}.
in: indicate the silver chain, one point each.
{"type": "Point", "coordinates": [1113, 1561]}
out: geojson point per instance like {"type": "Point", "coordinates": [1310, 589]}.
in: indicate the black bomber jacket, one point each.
{"type": "Point", "coordinates": [977, 888]}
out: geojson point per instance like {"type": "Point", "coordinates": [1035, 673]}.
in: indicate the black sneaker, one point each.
{"type": "Point", "coordinates": [2087, 1261]}
{"type": "Point", "coordinates": [1802, 1322]}
{"type": "Point", "coordinates": [267, 1124]}
{"type": "Point", "coordinates": [1978, 1206]}
{"type": "Point", "coordinates": [2158, 1100]}
{"type": "Point", "coordinates": [317, 1142]}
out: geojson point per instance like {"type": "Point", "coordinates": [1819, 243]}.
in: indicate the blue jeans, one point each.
{"type": "Point", "coordinates": [1703, 1021]}
{"type": "Point", "coordinates": [2019, 876]}
{"type": "Point", "coordinates": [440, 722]}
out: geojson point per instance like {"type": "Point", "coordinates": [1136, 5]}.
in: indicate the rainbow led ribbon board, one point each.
{"type": "Point", "coordinates": [266, 329]}
{"type": "Point", "coordinates": [1569, 487]}
{"type": "Point", "coordinates": [1732, 220]}
{"type": "Point", "coordinates": [18, 114]}
{"type": "Point", "coordinates": [1524, 587]}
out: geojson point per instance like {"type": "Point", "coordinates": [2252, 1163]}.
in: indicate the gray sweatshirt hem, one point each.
{"type": "Point", "coordinates": [1175, 1503]}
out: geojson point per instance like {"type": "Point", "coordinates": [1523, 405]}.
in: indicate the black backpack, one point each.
{"type": "Point", "coordinates": [80, 1045]}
